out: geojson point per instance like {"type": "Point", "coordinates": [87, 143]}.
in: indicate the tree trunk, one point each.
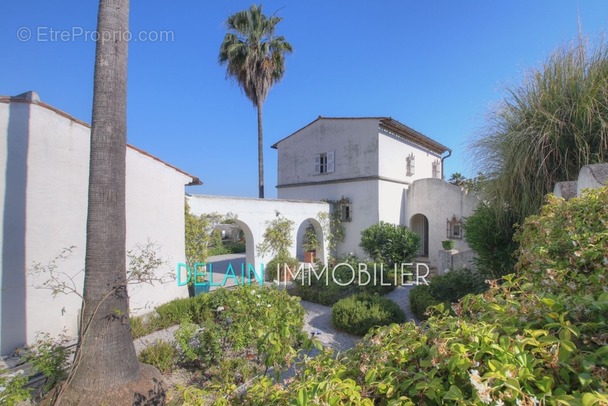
{"type": "Point", "coordinates": [260, 151]}
{"type": "Point", "coordinates": [106, 363]}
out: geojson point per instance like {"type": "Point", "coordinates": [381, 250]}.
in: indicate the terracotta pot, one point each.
{"type": "Point", "coordinates": [309, 257]}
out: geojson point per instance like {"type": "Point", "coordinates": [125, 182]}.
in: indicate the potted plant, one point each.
{"type": "Point", "coordinates": [448, 244]}
{"type": "Point", "coordinates": [310, 243]}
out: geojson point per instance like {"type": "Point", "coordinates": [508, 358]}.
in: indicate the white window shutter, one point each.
{"type": "Point", "coordinates": [330, 162]}
{"type": "Point", "coordinates": [317, 164]}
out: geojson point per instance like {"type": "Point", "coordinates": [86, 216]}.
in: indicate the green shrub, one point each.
{"type": "Point", "coordinates": [140, 327]}
{"type": "Point", "coordinates": [358, 313]}
{"type": "Point", "coordinates": [277, 264]}
{"type": "Point", "coordinates": [235, 247]}
{"type": "Point", "coordinates": [244, 320]}
{"type": "Point", "coordinates": [13, 384]}
{"type": "Point", "coordinates": [454, 285]}
{"type": "Point", "coordinates": [539, 337]}
{"type": "Point", "coordinates": [446, 289]}
{"type": "Point", "coordinates": [489, 232]}
{"type": "Point", "coordinates": [49, 357]}
{"type": "Point", "coordinates": [323, 289]}
{"type": "Point", "coordinates": [161, 354]}
{"type": "Point", "coordinates": [390, 243]}
{"type": "Point", "coordinates": [173, 312]}
{"type": "Point", "coordinates": [199, 343]}
{"type": "Point", "coordinates": [420, 299]}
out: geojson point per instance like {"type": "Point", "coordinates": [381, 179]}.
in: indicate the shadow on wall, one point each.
{"type": "Point", "coordinates": [13, 294]}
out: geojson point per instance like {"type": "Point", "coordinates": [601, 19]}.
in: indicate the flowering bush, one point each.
{"type": "Point", "coordinates": [258, 328]}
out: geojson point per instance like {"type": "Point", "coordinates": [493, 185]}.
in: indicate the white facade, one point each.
{"type": "Point", "coordinates": [253, 214]}
{"type": "Point", "coordinates": [376, 162]}
{"type": "Point", "coordinates": [44, 156]}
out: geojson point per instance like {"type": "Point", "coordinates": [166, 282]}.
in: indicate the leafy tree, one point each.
{"type": "Point", "coordinates": [390, 243]}
{"type": "Point", "coordinates": [255, 57]}
{"type": "Point", "coordinates": [106, 368]}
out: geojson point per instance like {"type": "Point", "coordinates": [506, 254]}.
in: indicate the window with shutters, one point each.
{"type": "Point", "coordinates": [324, 163]}
{"type": "Point", "coordinates": [410, 165]}
{"type": "Point", "coordinates": [437, 168]}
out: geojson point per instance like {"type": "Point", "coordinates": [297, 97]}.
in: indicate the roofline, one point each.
{"type": "Point", "coordinates": [409, 133]}
{"type": "Point", "coordinates": [275, 145]}
{"type": "Point", "coordinates": [34, 100]}
{"type": "Point", "coordinates": [388, 124]}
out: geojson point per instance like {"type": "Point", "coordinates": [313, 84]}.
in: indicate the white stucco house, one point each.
{"type": "Point", "coordinates": [44, 158]}
{"type": "Point", "coordinates": [375, 169]}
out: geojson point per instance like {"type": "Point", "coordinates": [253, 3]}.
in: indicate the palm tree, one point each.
{"type": "Point", "coordinates": [457, 179]}
{"type": "Point", "coordinates": [105, 359]}
{"type": "Point", "coordinates": [255, 58]}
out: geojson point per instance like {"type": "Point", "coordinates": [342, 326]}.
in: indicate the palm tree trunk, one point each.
{"type": "Point", "coordinates": [260, 151]}
{"type": "Point", "coordinates": [107, 356]}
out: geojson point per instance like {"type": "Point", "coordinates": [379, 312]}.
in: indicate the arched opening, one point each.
{"type": "Point", "coordinates": [420, 225]}
{"type": "Point", "coordinates": [227, 266]}
{"type": "Point", "coordinates": [309, 240]}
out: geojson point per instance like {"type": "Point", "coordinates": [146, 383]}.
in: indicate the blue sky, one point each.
{"type": "Point", "coordinates": [437, 66]}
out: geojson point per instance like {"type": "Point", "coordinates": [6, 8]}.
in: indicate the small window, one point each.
{"type": "Point", "coordinates": [324, 163]}
{"type": "Point", "coordinates": [346, 209]}
{"type": "Point", "coordinates": [437, 168]}
{"type": "Point", "coordinates": [454, 228]}
{"type": "Point", "coordinates": [410, 164]}
{"type": "Point", "coordinates": [346, 212]}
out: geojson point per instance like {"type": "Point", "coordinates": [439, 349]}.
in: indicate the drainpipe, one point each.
{"type": "Point", "coordinates": [442, 159]}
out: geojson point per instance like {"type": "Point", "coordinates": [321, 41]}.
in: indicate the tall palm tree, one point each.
{"type": "Point", "coordinates": [255, 58]}
{"type": "Point", "coordinates": [106, 362]}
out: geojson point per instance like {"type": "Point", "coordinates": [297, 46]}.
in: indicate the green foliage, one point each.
{"type": "Point", "coordinates": [310, 242]}
{"type": "Point", "coordinates": [539, 337]}
{"type": "Point", "coordinates": [276, 269]}
{"type": "Point", "coordinates": [254, 56]}
{"type": "Point", "coordinates": [446, 289]}
{"type": "Point", "coordinates": [49, 357]}
{"type": "Point", "coordinates": [328, 284]}
{"type": "Point", "coordinates": [358, 313]}
{"type": "Point", "coordinates": [454, 285]}
{"type": "Point", "coordinates": [277, 238]}
{"type": "Point", "coordinates": [13, 385]}
{"type": "Point", "coordinates": [201, 235]}
{"type": "Point", "coordinates": [332, 226]}
{"type": "Point", "coordinates": [200, 342]}
{"type": "Point", "coordinates": [139, 326]}
{"type": "Point", "coordinates": [251, 322]}
{"type": "Point", "coordinates": [390, 243]}
{"type": "Point", "coordinates": [161, 354]}
{"type": "Point", "coordinates": [420, 299]}
{"type": "Point", "coordinates": [489, 232]}
{"type": "Point", "coordinates": [547, 128]}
